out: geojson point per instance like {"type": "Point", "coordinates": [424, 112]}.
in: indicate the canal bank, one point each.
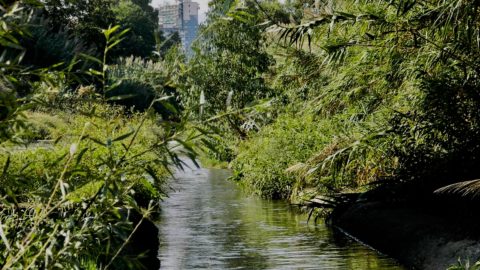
{"type": "Point", "coordinates": [428, 235]}
{"type": "Point", "coordinates": [209, 223]}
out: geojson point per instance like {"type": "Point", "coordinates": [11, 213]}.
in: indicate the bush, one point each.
{"type": "Point", "coordinates": [133, 94]}
{"type": "Point", "coordinates": [116, 162]}
{"type": "Point", "coordinates": [262, 161]}
{"type": "Point", "coordinates": [140, 82]}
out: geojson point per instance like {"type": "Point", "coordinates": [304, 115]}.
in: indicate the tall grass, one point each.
{"type": "Point", "coordinates": [69, 204]}
{"type": "Point", "coordinates": [391, 88]}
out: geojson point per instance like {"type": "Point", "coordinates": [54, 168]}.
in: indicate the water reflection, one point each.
{"type": "Point", "coordinates": [208, 223]}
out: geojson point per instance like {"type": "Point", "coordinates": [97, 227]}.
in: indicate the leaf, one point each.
{"type": "Point", "coordinates": [114, 85]}
{"type": "Point", "coordinates": [55, 162]}
{"type": "Point", "coordinates": [6, 166]}
{"type": "Point", "coordinates": [151, 172]}
{"type": "Point", "coordinates": [80, 155]}
{"type": "Point", "coordinates": [124, 147]}
{"type": "Point", "coordinates": [124, 136]}
{"type": "Point", "coordinates": [4, 237]}
{"type": "Point", "coordinates": [91, 58]}
{"type": "Point", "coordinates": [119, 35]}
{"type": "Point", "coordinates": [169, 107]}
{"type": "Point", "coordinates": [162, 98]}
{"type": "Point", "coordinates": [114, 44]}
{"type": "Point", "coordinates": [465, 189]}
{"type": "Point", "coordinates": [108, 32]}
{"type": "Point", "coordinates": [95, 72]}
{"type": "Point", "coordinates": [57, 139]}
{"type": "Point", "coordinates": [186, 145]}
{"type": "Point", "coordinates": [97, 141]}
{"type": "Point", "coordinates": [10, 44]}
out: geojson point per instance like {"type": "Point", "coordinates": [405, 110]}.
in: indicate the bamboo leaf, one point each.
{"type": "Point", "coordinates": [115, 43]}
{"type": "Point", "coordinates": [97, 141]}
{"type": "Point", "coordinates": [95, 72]}
{"type": "Point", "coordinates": [91, 58]}
{"type": "Point", "coordinates": [124, 136]}
{"type": "Point", "coordinates": [6, 166]}
{"type": "Point", "coordinates": [108, 32]}
{"type": "Point", "coordinates": [80, 155]}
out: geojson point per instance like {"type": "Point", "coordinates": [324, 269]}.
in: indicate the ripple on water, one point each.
{"type": "Point", "coordinates": [208, 223]}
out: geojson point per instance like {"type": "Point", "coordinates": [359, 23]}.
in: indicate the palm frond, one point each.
{"type": "Point", "coordinates": [469, 189]}
{"type": "Point", "coordinates": [294, 34]}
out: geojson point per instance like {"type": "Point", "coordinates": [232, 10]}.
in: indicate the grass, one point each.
{"type": "Point", "coordinates": [212, 163]}
{"type": "Point", "coordinates": [263, 160]}
{"type": "Point", "coordinates": [100, 159]}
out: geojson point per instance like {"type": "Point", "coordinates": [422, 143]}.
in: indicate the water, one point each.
{"type": "Point", "coordinates": [209, 223]}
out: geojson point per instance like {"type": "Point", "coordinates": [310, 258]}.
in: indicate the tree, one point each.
{"type": "Point", "coordinates": [82, 18]}
{"type": "Point", "coordinates": [165, 43]}
{"type": "Point", "coordinates": [230, 58]}
{"type": "Point", "coordinates": [142, 20]}
{"type": "Point", "coordinates": [429, 46]}
{"type": "Point", "coordinates": [148, 9]}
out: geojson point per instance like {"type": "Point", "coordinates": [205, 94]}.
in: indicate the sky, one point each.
{"type": "Point", "coordinates": [201, 12]}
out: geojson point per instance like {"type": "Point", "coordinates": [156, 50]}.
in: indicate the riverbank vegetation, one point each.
{"type": "Point", "coordinates": [348, 93]}
{"type": "Point", "coordinates": [301, 99]}
{"type": "Point", "coordinates": [354, 102]}
{"type": "Point", "coordinates": [90, 132]}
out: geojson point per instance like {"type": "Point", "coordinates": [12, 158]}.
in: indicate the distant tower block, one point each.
{"type": "Point", "coordinates": [181, 17]}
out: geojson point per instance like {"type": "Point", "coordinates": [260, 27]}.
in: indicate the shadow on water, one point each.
{"type": "Point", "coordinates": [209, 223]}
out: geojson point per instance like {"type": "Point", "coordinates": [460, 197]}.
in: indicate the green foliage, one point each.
{"type": "Point", "coordinates": [465, 266]}
{"type": "Point", "coordinates": [67, 203]}
{"type": "Point", "coordinates": [138, 82]}
{"type": "Point", "coordinates": [393, 87]}
{"type": "Point", "coordinates": [15, 81]}
{"type": "Point", "coordinates": [133, 94]}
{"type": "Point", "coordinates": [220, 151]}
{"type": "Point", "coordinates": [262, 161]}
{"type": "Point", "coordinates": [45, 47]}
{"type": "Point", "coordinates": [81, 182]}
{"type": "Point", "coordinates": [166, 43]}
{"type": "Point", "coordinates": [349, 106]}
{"type": "Point", "coordinates": [229, 61]}
{"type": "Point", "coordinates": [82, 18]}
{"type": "Point", "coordinates": [140, 41]}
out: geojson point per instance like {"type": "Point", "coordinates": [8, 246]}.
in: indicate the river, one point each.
{"type": "Point", "coordinates": [209, 223]}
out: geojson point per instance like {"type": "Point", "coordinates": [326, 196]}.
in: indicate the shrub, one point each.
{"type": "Point", "coordinates": [262, 161]}
{"type": "Point", "coordinates": [117, 162]}
{"type": "Point", "coordinates": [140, 82]}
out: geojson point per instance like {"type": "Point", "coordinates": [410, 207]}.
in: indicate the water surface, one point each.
{"type": "Point", "coordinates": [209, 223]}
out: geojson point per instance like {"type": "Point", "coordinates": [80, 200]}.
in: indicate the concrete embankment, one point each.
{"type": "Point", "coordinates": [421, 235]}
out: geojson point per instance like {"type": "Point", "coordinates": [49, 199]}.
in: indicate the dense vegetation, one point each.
{"type": "Point", "coordinates": [88, 137]}
{"type": "Point", "coordinates": [357, 92]}
{"type": "Point", "coordinates": [375, 100]}
{"type": "Point", "coordinates": [302, 99]}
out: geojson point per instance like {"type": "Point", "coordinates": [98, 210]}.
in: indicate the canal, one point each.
{"type": "Point", "coordinates": [209, 223]}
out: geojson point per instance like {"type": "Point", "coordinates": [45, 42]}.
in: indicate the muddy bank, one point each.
{"type": "Point", "coordinates": [421, 235]}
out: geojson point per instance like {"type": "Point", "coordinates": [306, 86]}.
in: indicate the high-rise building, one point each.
{"type": "Point", "coordinates": [181, 17]}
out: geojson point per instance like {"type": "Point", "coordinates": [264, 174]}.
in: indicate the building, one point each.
{"type": "Point", "coordinates": [169, 18]}
{"type": "Point", "coordinates": [181, 17]}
